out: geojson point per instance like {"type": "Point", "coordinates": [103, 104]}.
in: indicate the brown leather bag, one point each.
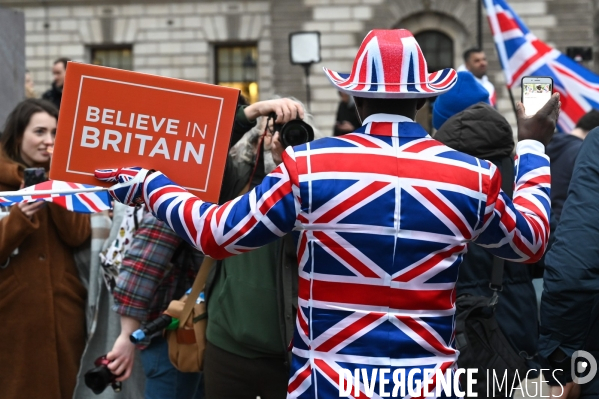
{"type": "Point", "coordinates": [187, 343]}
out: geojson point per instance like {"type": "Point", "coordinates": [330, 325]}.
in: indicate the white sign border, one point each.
{"type": "Point", "coordinates": [147, 87]}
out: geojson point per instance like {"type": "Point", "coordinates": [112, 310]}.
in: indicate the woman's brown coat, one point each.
{"type": "Point", "coordinates": [42, 317]}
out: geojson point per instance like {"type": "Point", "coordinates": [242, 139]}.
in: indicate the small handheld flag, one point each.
{"type": "Point", "coordinates": [82, 198]}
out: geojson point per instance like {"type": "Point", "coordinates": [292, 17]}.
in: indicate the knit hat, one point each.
{"type": "Point", "coordinates": [466, 92]}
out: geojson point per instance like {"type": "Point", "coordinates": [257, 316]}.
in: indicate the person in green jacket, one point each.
{"type": "Point", "coordinates": [251, 310]}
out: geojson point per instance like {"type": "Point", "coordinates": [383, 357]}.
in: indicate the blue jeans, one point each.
{"type": "Point", "coordinates": [163, 380]}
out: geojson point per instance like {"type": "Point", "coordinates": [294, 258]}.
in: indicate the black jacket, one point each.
{"type": "Point", "coordinates": [562, 151]}
{"type": "Point", "coordinates": [482, 132]}
{"type": "Point", "coordinates": [570, 304]}
{"type": "Point", "coordinates": [54, 95]}
{"type": "Point", "coordinates": [346, 112]}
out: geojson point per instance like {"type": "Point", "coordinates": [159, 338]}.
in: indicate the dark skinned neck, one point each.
{"type": "Point", "coordinates": [407, 114]}
{"type": "Point", "coordinates": [367, 107]}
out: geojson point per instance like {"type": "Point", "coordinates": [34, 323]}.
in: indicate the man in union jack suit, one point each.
{"type": "Point", "coordinates": [384, 217]}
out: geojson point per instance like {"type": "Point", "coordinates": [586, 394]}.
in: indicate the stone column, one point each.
{"type": "Point", "coordinates": [12, 61]}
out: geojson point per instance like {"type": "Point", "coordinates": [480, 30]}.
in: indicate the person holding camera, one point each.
{"type": "Point", "coordinates": [252, 297]}
{"type": "Point", "coordinates": [42, 300]}
{"type": "Point", "coordinates": [384, 216]}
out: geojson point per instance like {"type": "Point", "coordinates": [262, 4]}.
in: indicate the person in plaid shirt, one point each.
{"type": "Point", "coordinates": [155, 271]}
{"type": "Point", "coordinates": [148, 282]}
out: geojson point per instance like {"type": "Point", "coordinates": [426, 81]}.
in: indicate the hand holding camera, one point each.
{"type": "Point", "coordinates": [98, 378]}
{"type": "Point", "coordinates": [121, 357]}
{"type": "Point", "coordinates": [284, 108]}
{"type": "Point", "coordinates": [284, 123]}
{"type": "Point", "coordinates": [295, 132]}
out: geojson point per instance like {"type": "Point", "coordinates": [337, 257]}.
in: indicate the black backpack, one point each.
{"type": "Point", "coordinates": [479, 339]}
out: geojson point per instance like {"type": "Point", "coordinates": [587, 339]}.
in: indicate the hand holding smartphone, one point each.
{"type": "Point", "coordinates": [33, 176]}
{"type": "Point", "coordinates": [536, 92]}
{"type": "Point", "coordinates": [541, 125]}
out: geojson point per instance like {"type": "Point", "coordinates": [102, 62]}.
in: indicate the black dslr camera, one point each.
{"type": "Point", "coordinates": [98, 378]}
{"type": "Point", "coordinates": [294, 132]}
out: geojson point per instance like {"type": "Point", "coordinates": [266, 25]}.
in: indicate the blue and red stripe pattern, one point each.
{"type": "Point", "coordinates": [521, 54]}
{"type": "Point", "coordinates": [128, 189]}
{"type": "Point", "coordinates": [384, 217]}
{"type": "Point", "coordinates": [390, 64]}
{"type": "Point", "coordinates": [91, 202]}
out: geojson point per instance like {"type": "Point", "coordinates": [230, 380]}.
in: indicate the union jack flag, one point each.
{"type": "Point", "coordinates": [90, 202]}
{"type": "Point", "coordinates": [384, 217]}
{"type": "Point", "coordinates": [521, 54]}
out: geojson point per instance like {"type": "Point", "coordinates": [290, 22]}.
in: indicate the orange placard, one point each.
{"type": "Point", "coordinates": [110, 118]}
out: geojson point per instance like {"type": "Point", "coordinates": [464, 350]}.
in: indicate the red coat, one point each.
{"type": "Point", "coordinates": [42, 300]}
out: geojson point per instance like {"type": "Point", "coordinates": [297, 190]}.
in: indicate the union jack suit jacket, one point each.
{"type": "Point", "coordinates": [384, 218]}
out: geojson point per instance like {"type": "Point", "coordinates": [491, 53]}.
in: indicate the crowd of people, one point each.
{"type": "Point", "coordinates": [357, 248]}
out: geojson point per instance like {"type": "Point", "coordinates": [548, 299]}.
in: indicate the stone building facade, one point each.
{"type": "Point", "coordinates": [12, 60]}
{"type": "Point", "coordinates": [180, 38]}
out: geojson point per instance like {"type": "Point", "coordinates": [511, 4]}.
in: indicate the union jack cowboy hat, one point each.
{"type": "Point", "coordinates": [390, 64]}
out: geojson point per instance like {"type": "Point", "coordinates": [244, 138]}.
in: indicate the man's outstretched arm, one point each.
{"type": "Point", "coordinates": [247, 222]}
{"type": "Point", "coordinates": [518, 229]}
{"type": "Point", "coordinates": [262, 215]}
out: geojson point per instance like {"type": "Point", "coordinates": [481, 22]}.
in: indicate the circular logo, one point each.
{"type": "Point", "coordinates": [583, 363]}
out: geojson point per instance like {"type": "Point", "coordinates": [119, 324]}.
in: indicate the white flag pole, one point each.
{"type": "Point", "coordinates": [21, 193]}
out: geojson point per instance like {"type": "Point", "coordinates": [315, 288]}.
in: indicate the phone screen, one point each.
{"type": "Point", "coordinates": [535, 96]}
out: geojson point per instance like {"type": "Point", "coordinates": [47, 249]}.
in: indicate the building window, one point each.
{"type": "Point", "coordinates": [437, 48]}
{"type": "Point", "coordinates": [120, 56]}
{"type": "Point", "coordinates": [236, 66]}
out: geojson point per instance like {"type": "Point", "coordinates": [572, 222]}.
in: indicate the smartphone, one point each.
{"type": "Point", "coordinates": [536, 91]}
{"type": "Point", "coordinates": [33, 176]}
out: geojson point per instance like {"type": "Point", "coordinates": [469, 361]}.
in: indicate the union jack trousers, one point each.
{"type": "Point", "coordinates": [384, 216]}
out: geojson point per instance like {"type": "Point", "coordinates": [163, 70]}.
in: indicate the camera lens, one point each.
{"type": "Point", "coordinates": [97, 379]}
{"type": "Point", "coordinates": [296, 136]}
{"type": "Point", "coordinates": [296, 132]}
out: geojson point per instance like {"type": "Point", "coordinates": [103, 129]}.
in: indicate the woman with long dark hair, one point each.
{"type": "Point", "coordinates": [41, 297]}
